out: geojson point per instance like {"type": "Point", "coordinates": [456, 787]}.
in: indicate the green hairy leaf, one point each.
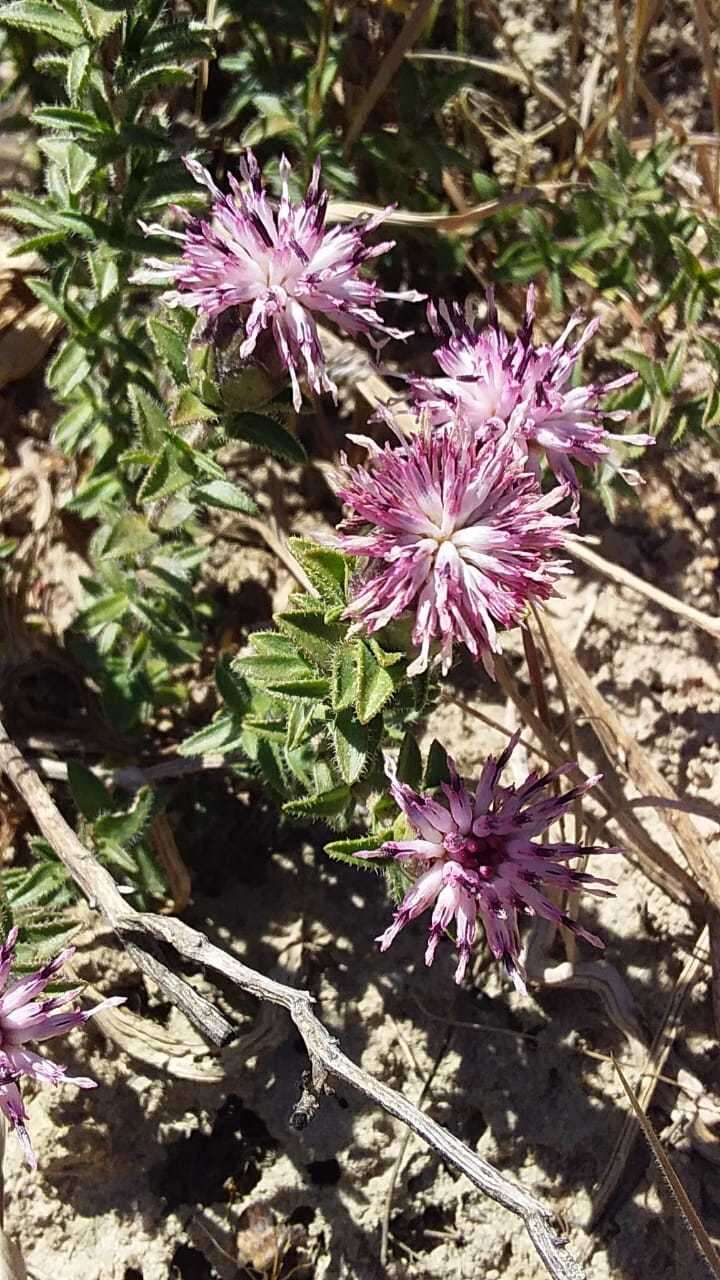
{"type": "Point", "coordinates": [373, 685]}
{"type": "Point", "coordinates": [88, 791]}
{"type": "Point", "coordinates": [352, 744]}
{"type": "Point", "coordinates": [33, 15]}
{"type": "Point", "coordinates": [325, 804]}
{"type": "Point", "coordinates": [265, 433]}
{"type": "Point", "coordinates": [224, 494]}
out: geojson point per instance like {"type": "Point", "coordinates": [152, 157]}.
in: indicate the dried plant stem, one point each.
{"type": "Point", "coordinates": [395, 1174]}
{"type": "Point", "coordinates": [543, 931]}
{"type": "Point", "coordinates": [685, 1207]}
{"type": "Point", "coordinates": [650, 1071]}
{"type": "Point", "coordinates": [623, 578]}
{"type": "Point", "coordinates": [705, 29]}
{"type": "Point", "coordinates": [655, 861]}
{"type": "Point", "coordinates": [714, 927]}
{"type": "Point", "coordinates": [465, 221]}
{"type": "Point", "coordinates": [142, 932]}
{"type": "Point", "coordinates": [455, 701]}
{"type": "Point", "coordinates": [409, 33]}
{"type": "Point", "coordinates": [626, 755]}
{"type": "Point", "coordinates": [622, 66]}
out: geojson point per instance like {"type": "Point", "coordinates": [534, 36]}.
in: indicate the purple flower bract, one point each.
{"type": "Point", "coordinates": [477, 864]}
{"type": "Point", "coordinates": [455, 531]}
{"type": "Point", "coordinates": [281, 266]}
{"type": "Point", "coordinates": [24, 1020]}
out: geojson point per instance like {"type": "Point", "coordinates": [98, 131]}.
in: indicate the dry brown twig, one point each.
{"type": "Point", "coordinates": [649, 1071]}
{"type": "Point", "coordinates": [580, 550]}
{"type": "Point", "coordinates": [143, 932]}
{"type": "Point", "coordinates": [624, 753]}
{"type": "Point", "coordinates": [683, 1203]}
{"type": "Point", "coordinates": [409, 33]}
{"type": "Point", "coordinates": [655, 861]}
{"type": "Point", "coordinates": [465, 221]}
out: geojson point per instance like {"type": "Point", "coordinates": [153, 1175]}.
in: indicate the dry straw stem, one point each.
{"type": "Point", "coordinates": [650, 1071]}
{"type": "Point", "coordinates": [704, 27]}
{"type": "Point", "coordinates": [143, 932]}
{"type": "Point", "coordinates": [628, 757]}
{"type": "Point", "coordinates": [655, 862]}
{"type": "Point", "coordinates": [466, 221]}
{"type": "Point", "coordinates": [12, 1266]}
{"type": "Point", "coordinates": [683, 1203]}
{"type": "Point", "coordinates": [506, 70]}
{"type": "Point", "coordinates": [623, 578]}
{"type": "Point", "coordinates": [409, 33]}
{"type": "Point", "coordinates": [399, 1159]}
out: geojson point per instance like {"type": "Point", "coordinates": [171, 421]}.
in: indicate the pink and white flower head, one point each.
{"type": "Point", "coordinates": [477, 864]}
{"type": "Point", "coordinates": [454, 530]}
{"type": "Point", "coordinates": [25, 1020]}
{"type": "Point", "coordinates": [279, 264]}
{"type": "Point", "coordinates": [489, 378]}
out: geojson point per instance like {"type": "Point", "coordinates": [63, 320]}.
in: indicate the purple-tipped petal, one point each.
{"type": "Point", "coordinates": [488, 377]}
{"type": "Point", "coordinates": [280, 266]}
{"type": "Point", "coordinates": [25, 1019]}
{"type": "Point", "coordinates": [455, 533]}
{"type": "Point", "coordinates": [483, 868]}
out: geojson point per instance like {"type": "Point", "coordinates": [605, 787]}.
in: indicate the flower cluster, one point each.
{"type": "Point", "coordinates": [476, 861]}
{"type": "Point", "coordinates": [25, 1019]}
{"type": "Point", "coordinates": [454, 530]}
{"type": "Point", "coordinates": [490, 380]}
{"type": "Point", "coordinates": [280, 266]}
{"type": "Point", "coordinates": [449, 523]}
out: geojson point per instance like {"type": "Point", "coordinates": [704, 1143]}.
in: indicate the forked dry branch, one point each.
{"type": "Point", "coordinates": [144, 933]}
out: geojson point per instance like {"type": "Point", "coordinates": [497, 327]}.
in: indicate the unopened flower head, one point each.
{"type": "Point", "coordinates": [490, 378]}
{"type": "Point", "coordinates": [280, 265]}
{"type": "Point", "coordinates": [24, 1020]}
{"type": "Point", "coordinates": [454, 531]}
{"type": "Point", "coordinates": [476, 862]}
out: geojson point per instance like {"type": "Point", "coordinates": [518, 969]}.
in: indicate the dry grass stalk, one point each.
{"type": "Point", "coordinates": [650, 1071]}
{"type": "Point", "coordinates": [654, 860]}
{"type": "Point", "coordinates": [569, 938]}
{"type": "Point", "coordinates": [410, 32]}
{"type": "Point", "coordinates": [687, 1210]}
{"type": "Point", "coordinates": [519, 74]}
{"type": "Point", "coordinates": [626, 755]}
{"type": "Point", "coordinates": [12, 1266]}
{"type": "Point", "coordinates": [623, 578]}
{"type": "Point", "coordinates": [714, 927]}
{"type": "Point", "coordinates": [400, 1158]}
{"type": "Point", "coordinates": [466, 221]}
{"type": "Point", "coordinates": [543, 931]}
{"type": "Point", "coordinates": [623, 69]}
{"type": "Point", "coordinates": [708, 55]}
{"type": "Point", "coordinates": [168, 855]}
